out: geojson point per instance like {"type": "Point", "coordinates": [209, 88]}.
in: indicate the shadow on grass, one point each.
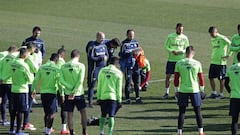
{"type": "Point", "coordinates": [159, 98]}
{"type": "Point", "coordinates": [156, 110]}
{"type": "Point", "coordinates": [5, 132]}
{"type": "Point", "coordinates": [164, 130]}
{"type": "Point", "coordinates": [217, 127]}
{"type": "Point", "coordinates": [148, 117]}
{"type": "Point", "coordinates": [168, 130]}
{"type": "Point", "coordinates": [222, 107]}
{"type": "Point", "coordinates": [210, 116]}
{"type": "Point", "coordinates": [150, 131]}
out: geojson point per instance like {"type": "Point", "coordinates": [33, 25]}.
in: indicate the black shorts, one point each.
{"type": "Point", "coordinates": [19, 102]}
{"type": "Point", "coordinates": [49, 103]}
{"type": "Point", "coordinates": [78, 101]}
{"type": "Point", "coordinates": [234, 107]}
{"type": "Point", "coordinates": [5, 92]}
{"type": "Point", "coordinates": [217, 71]}
{"type": "Point", "coordinates": [108, 107]}
{"type": "Point", "coordinates": [195, 98]}
{"type": "Point", "coordinates": [170, 67]}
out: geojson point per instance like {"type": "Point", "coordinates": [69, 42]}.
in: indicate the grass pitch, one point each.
{"type": "Point", "coordinates": [73, 23]}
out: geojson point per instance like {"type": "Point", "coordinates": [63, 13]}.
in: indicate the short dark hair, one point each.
{"type": "Point", "coordinates": [211, 29]}
{"type": "Point", "coordinates": [114, 60]}
{"type": "Point", "coordinates": [129, 30]}
{"type": "Point", "coordinates": [75, 53]}
{"type": "Point", "coordinates": [23, 52]}
{"type": "Point", "coordinates": [30, 45]}
{"type": "Point", "coordinates": [238, 27]}
{"type": "Point", "coordinates": [61, 50]}
{"type": "Point", "coordinates": [115, 41]}
{"type": "Point", "coordinates": [54, 57]}
{"type": "Point", "coordinates": [189, 49]}
{"type": "Point", "coordinates": [12, 48]}
{"type": "Point", "coordinates": [36, 28]}
{"type": "Point", "coordinates": [179, 25]}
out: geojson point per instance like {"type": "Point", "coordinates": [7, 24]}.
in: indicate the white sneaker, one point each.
{"type": "Point", "coordinates": [5, 123]}
{"type": "Point", "coordinates": [29, 126]}
{"type": "Point", "coordinates": [220, 97]}
{"type": "Point", "coordinates": [11, 132]}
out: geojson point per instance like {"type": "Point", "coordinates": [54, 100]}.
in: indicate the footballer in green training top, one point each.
{"type": "Point", "coordinates": [62, 53]}
{"type": "Point", "coordinates": [32, 62]}
{"type": "Point", "coordinates": [21, 76]}
{"type": "Point", "coordinates": [49, 76]}
{"type": "Point", "coordinates": [187, 73]}
{"type": "Point", "coordinates": [235, 45]}
{"type": "Point", "coordinates": [109, 93]}
{"type": "Point", "coordinates": [6, 83]}
{"type": "Point", "coordinates": [175, 45]}
{"type": "Point", "coordinates": [72, 77]}
{"type": "Point", "coordinates": [233, 86]}
{"type": "Point", "coordinates": [220, 53]}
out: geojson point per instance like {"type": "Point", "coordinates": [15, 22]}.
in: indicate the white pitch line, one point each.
{"type": "Point", "coordinates": [162, 80]}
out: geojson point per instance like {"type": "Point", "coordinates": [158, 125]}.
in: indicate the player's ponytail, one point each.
{"type": "Point", "coordinates": [61, 50]}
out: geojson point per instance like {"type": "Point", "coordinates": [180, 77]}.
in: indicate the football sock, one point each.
{"type": "Point", "coordinates": [167, 90]}
{"type": "Point", "coordinates": [214, 92]}
{"type": "Point", "coordinates": [200, 130]}
{"type": "Point", "coordinates": [84, 130]}
{"type": "Point", "coordinates": [101, 132]}
{"type": "Point", "coordinates": [198, 114]}
{"type": "Point", "coordinates": [71, 132]}
{"type": "Point", "coordinates": [181, 117]}
{"type": "Point", "coordinates": [234, 126]}
{"type": "Point", "coordinates": [25, 117]}
{"type": "Point", "coordinates": [64, 127]}
{"type": "Point", "coordinates": [12, 119]}
{"type": "Point", "coordinates": [3, 111]}
{"type": "Point", "coordinates": [63, 116]}
{"type": "Point", "coordinates": [221, 94]}
{"type": "Point", "coordinates": [45, 120]}
{"type": "Point", "coordinates": [19, 121]}
{"type": "Point", "coordinates": [110, 125]}
{"type": "Point", "coordinates": [49, 122]}
{"type": "Point", "coordinates": [136, 88]}
{"type": "Point", "coordinates": [48, 131]}
{"type": "Point", "coordinates": [102, 123]}
{"type": "Point", "coordinates": [179, 131]}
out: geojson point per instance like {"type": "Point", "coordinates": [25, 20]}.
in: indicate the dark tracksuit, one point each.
{"type": "Point", "coordinates": [39, 44]}
{"type": "Point", "coordinates": [89, 47]}
{"type": "Point", "coordinates": [129, 66]}
{"type": "Point", "coordinates": [98, 53]}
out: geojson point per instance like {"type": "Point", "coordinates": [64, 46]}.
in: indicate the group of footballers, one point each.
{"type": "Point", "coordinates": [22, 75]}
{"type": "Point", "coordinates": [188, 74]}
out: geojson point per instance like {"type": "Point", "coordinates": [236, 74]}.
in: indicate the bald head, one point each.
{"type": "Point", "coordinates": [100, 36]}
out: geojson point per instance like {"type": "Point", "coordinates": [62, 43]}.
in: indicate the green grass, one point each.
{"type": "Point", "coordinates": [73, 23]}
